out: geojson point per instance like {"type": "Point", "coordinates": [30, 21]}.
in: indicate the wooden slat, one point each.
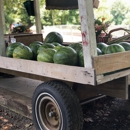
{"type": "Point", "coordinates": [27, 38]}
{"type": "Point", "coordinates": [50, 70]}
{"type": "Point", "coordinates": [111, 62]}
{"type": "Point", "coordinates": [103, 79]}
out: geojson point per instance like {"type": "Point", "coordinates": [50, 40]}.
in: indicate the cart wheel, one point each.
{"type": "Point", "coordinates": [56, 107]}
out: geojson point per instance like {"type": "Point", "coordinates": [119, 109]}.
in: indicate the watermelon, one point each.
{"type": "Point", "coordinates": [45, 46]}
{"type": "Point", "coordinates": [102, 46]}
{"type": "Point", "coordinates": [99, 52]}
{"type": "Point", "coordinates": [37, 42]}
{"type": "Point", "coordinates": [81, 58]}
{"type": "Point", "coordinates": [53, 37]}
{"type": "Point", "coordinates": [46, 55]}
{"type": "Point", "coordinates": [114, 48]}
{"type": "Point", "coordinates": [66, 56]}
{"type": "Point", "coordinates": [56, 43]}
{"type": "Point", "coordinates": [126, 45]}
{"type": "Point", "coordinates": [58, 47]}
{"type": "Point", "coordinates": [34, 47]}
{"type": "Point", "coordinates": [76, 46]}
{"type": "Point", "coordinates": [11, 47]}
{"type": "Point", "coordinates": [23, 52]}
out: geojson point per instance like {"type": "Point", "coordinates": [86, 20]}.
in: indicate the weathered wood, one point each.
{"type": "Point", "coordinates": [2, 42]}
{"type": "Point", "coordinates": [111, 62]}
{"type": "Point", "coordinates": [26, 75]}
{"type": "Point", "coordinates": [57, 71]}
{"type": "Point", "coordinates": [25, 38]}
{"type": "Point", "coordinates": [37, 16]}
{"type": "Point", "coordinates": [103, 79]}
{"type": "Point", "coordinates": [87, 30]}
{"type": "Point", "coordinates": [115, 88]}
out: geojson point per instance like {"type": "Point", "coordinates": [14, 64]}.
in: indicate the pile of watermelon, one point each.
{"type": "Point", "coordinates": [52, 51]}
{"type": "Point", "coordinates": [104, 48]}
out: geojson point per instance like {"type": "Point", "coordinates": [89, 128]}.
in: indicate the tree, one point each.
{"type": "Point", "coordinates": [16, 12]}
{"type": "Point", "coordinates": [118, 10]}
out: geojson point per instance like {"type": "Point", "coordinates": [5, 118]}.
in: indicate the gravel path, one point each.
{"type": "Point", "coordinates": [104, 114]}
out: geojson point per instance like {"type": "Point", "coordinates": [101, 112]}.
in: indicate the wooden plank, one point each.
{"type": "Point", "coordinates": [115, 88]}
{"type": "Point", "coordinates": [26, 75]}
{"type": "Point", "coordinates": [87, 30]}
{"type": "Point", "coordinates": [25, 38]}
{"type": "Point", "coordinates": [103, 79]}
{"type": "Point", "coordinates": [57, 71]}
{"type": "Point", "coordinates": [2, 42]}
{"type": "Point", "coordinates": [111, 62]}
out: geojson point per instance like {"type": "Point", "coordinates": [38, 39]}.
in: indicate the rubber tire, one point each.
{"type": "Point", "coordinates": [67, 101]}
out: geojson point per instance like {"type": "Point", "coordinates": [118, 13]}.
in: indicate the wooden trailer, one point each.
{"type": "Point", "coordinates": [56, 102]}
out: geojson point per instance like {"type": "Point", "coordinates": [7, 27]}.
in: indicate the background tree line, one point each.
{"type": "Point", "coordinates": [118, 13]}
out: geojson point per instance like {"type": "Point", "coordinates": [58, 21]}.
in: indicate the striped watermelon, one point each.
{"type": "Point", "coordinates": [102, 46]}
{"type": "Point", "coordinates": [81, 58]}
{"type": "Point", "coordinates": [46, 55]}
{"type": "Point", "coordinates": [53, 37]}
{"type": "Point", "coordinates": [34, 46]}
{"type": "Point", "coordinates": [23, 52]}
{"type": "Point", "coordinates": [56, 43]}
{"type": "Point", "coordinates": [126, 45]}
{"type": "Point", "coordinates": [11, 47]}
{"type": "Point", "coordinates": [114, 48]}
{"type": "Point", "coordinates": [76, 46]}
{"type": "Point", "coordinates": [45, 46]}
{"type": "Point", "coordinates": [66, 56]}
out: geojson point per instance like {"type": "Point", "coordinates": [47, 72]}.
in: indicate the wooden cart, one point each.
{"type": "Point", "coordinates": [56, 102]}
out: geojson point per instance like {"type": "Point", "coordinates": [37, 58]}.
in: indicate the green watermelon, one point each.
{"type": "Point", "coordinates": [37, 42]}
{"type": "Point", "coordinates": [45, 46]}
{"type": "Point", "coordinates": [66, 56]}
{"type": "Point", "coordinates": [23, 52]}
{"type": "Point", "coordinates": [76, 46]}
{"type": "Point", "coordinates": [11, 47]}
{"type": "Point", "coordinates": [58, 47]}
{"type": "Point", "coordinates": [114, 48]}
{"type": "Point", "coordinates": [81, 58]}
{"type": "Point", "coordinates": [102, 46]}
{"type": "Point", "coordinates": [99, 52]}
{"type": "Point", "coordinates": [56, 43]}
{"type": "Point", "coordinates": [53, 37]}
{"type": "Point", "coordinates": [34, 47]}
{"type": "Point", "coordinates": [46, 55]}
{"type": "Point", "coordinates": [126, 45]}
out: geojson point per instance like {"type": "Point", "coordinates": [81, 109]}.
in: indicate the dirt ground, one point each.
{"type": "Point", "coordinates": [104, 114]}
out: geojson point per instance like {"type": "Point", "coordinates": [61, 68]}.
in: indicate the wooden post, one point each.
{"type": "Point", "coordinates": [3, 16]}
{"type": "Point", "coordinates": [37, 16]}
{"type": "Point", "coordinates": [2, 42]}
{"type": "Point", "coordinates": [88, 31]}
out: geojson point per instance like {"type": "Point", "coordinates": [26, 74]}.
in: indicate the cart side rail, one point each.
{"type": "Point", "coordinates": [49, 70]}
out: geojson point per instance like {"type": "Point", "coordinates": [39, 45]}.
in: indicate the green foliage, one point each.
{"type": "Point", "coordinates": [119, 11]}
{"type": "Point", "coordinates": [60, 17]}
{"type": "Point", "coordinates": [15, 12]}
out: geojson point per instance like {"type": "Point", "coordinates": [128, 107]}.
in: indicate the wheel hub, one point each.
{"type": "Point", "coordinates": [50, 114]}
